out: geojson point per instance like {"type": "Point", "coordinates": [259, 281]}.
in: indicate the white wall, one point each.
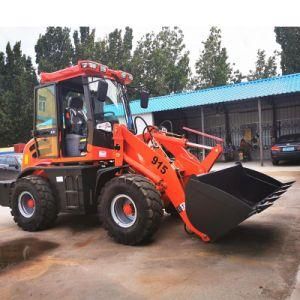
{"type": "Point", "coordinates": [140, 124]}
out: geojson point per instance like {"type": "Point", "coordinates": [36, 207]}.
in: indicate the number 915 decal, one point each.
{"type": "Point", "coordinates": [160, 165]}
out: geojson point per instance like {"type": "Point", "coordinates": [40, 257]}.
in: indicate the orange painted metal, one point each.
{"type": "Point", "coordinates": [145, 154]}
{"type": "Point", "coordinates": [78, 70]}
{"type": "Point", "coordinates": [128, 209]}
{"type": "Point", "coordinates": [93, 154]}
{"type": "Point", "coordinates": [149, 159]}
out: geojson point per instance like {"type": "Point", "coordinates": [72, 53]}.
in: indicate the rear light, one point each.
{"type": "Point", "coordinates": [275, 148]}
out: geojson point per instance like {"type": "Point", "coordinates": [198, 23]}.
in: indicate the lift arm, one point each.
{"type": "Point", "coordinates": [147, 157]}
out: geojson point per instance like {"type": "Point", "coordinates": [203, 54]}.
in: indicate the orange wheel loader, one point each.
{"type": "Point", "coordinates": [85, 156]}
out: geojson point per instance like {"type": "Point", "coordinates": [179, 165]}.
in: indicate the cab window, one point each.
{"type": "Point", "coordinates": [46, 108]}
{"type": "Point", "coordinates": [46, 122]}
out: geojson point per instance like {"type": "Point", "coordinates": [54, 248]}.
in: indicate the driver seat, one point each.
{"type": "Point", "coordinates": [76, 127]}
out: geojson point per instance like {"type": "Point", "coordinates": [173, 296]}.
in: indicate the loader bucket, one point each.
{"type": "Point", "coordinates": [219, 201]}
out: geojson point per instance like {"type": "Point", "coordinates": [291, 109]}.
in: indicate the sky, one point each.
{"type": "Point", "coordinates": [241, 42]}
{"type": "Point", "coordinates": [246, 25]}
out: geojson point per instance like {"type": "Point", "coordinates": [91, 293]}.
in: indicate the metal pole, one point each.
{"type": "Point", "coordinates": [260, 133]}
{"type": "Point", "coordinates": [274, 123]}
{"type": "Point", "coordinates": [202, 129]}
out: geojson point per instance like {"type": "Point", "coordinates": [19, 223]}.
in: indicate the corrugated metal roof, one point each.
{"type": "Point", "coordinates": [240, 91]}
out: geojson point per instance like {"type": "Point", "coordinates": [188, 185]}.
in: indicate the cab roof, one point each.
{"type": "Point", "coordinates": [87, 68]}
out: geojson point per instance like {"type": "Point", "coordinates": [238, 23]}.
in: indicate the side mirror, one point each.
{"type": "Point", "coordinates": [144, 99]}
{"type": "Point", "coordinates": [102, 90]}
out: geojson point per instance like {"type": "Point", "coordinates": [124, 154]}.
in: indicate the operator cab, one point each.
{"type": "Point", "coordinates": [86, 118]}
{"type": "Point", "coordinates": [72, 112]}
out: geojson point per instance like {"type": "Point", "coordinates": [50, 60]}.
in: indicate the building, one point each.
{"type": "Point", "coordinates": [258, 111]}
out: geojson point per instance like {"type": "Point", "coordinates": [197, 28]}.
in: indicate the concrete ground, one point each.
{"type": "Point", "coordinates": [77, 260]}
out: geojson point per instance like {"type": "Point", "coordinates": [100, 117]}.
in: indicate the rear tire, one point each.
{"type": "Point", "coordinates": [33, 204]}
{"type": "Point", "coordinates": [130, 209]}
{"type": "Point", "coordinates": [275, 162]}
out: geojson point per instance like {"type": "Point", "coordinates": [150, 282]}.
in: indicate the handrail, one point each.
{"type": "Point", "coordinates": [204, 134]}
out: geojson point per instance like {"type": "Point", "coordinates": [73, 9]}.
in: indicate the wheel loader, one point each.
{"type": "Point", "coordinates": [85, 157]}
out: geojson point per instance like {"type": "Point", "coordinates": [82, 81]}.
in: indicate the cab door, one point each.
{"type": "Point", "coordinates": [45, 127]}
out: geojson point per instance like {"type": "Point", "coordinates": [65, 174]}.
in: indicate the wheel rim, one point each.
{"type": "Point", "coordinates": [123, 211]}
{"type": "Point", "coordinates": [26, 204]}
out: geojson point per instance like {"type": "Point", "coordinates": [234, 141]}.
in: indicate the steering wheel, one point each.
{"type": "Point", "coordinates": [100, 118]}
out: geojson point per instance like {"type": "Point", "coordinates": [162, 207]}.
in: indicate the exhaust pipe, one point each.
{"type": "Point", "coordinates": [217, 202]}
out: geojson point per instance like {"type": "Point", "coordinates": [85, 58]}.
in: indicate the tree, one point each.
{"type": "Point", "coordinates": [84, 44]}
{"type": "Point", "coordinates": [212, 67]}
{"type": "Point", "coordinates": [264, 67]}
{"type": "Point", "coordinates": [161, 63]}
{"type": "Point", "coordinates": [289, 40]}
{"type": "Point", "coordinates": [16, 97]}
{"type": "Point", "coordinates": [115, 50]}
{"type": "Point", "coordinates": [236, 76]}
{"type": "Point", "coordinates": [54, 49]}
{"type": "Point", "coordinates": [2, 67]}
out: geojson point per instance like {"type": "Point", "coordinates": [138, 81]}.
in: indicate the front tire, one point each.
{"type": "Point", "coordinates": [33, 204]}
{"type": "Point", "coordinates": [130, 209]}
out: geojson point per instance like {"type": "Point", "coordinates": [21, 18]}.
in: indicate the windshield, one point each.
{"type": "Point", "coordinates": [114, 108]}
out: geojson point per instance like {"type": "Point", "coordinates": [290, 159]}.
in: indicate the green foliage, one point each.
{"type": "Point", "coordinates": [212, 67]}
{"type": "Point", "coordinates": [264, 67]}
{"type": "Point", "coordinates": [289, 40]}
{"type": "Point", "coordinates": [161, 63]}
{"type": "Point", "coordinates": [115, 50]}
{"type": "Point", "coordinates": [84, 44]}
{"type": "Point", "coordinates": [236, 77]}
{"type": "Point", "coordinates": [54, 49]}
{"type": "Point", "coordinates": [17, 81]}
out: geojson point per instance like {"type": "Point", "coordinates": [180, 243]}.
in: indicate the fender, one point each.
{"type": "Point", "coordinates": [104, 175]}
{"type": "Point", "coordinates": [37, 170]}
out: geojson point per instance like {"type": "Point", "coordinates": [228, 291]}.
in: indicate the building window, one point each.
{"type": "Point", "coordinates": [42, 103]}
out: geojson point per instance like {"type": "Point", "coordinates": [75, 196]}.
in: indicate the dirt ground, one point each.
{"type": "Point", "coordinates": [77, 260]}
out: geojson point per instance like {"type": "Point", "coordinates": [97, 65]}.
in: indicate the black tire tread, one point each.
{"type": "Point", "coordinates": [48, 212]}
{"type": "Point", "coordinates": [154, 208]}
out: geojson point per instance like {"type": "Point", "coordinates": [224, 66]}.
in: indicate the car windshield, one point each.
{"type": "Point", "coordinates": [113, 109]}
{"type": "Point", "coordinates": [292, 138]}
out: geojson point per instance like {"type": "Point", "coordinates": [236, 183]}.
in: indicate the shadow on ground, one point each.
{"type": "Point", "coordinates": [250, 239]}
{"type": "Point", "coordinates": [77, 223]}
{"type": "Point", "coordinates": [289, 163]}
{"type": "Point", "coordinates": [19, 250]}
{"type": "Point", "coordinates": [247, 238]}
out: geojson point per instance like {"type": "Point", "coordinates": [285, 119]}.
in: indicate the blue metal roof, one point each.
{"type": "Point", "coordinates": [232, 92]}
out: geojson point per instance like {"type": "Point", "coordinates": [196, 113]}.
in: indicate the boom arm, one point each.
{"type": "Point", "coordinates": [169, 176]}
